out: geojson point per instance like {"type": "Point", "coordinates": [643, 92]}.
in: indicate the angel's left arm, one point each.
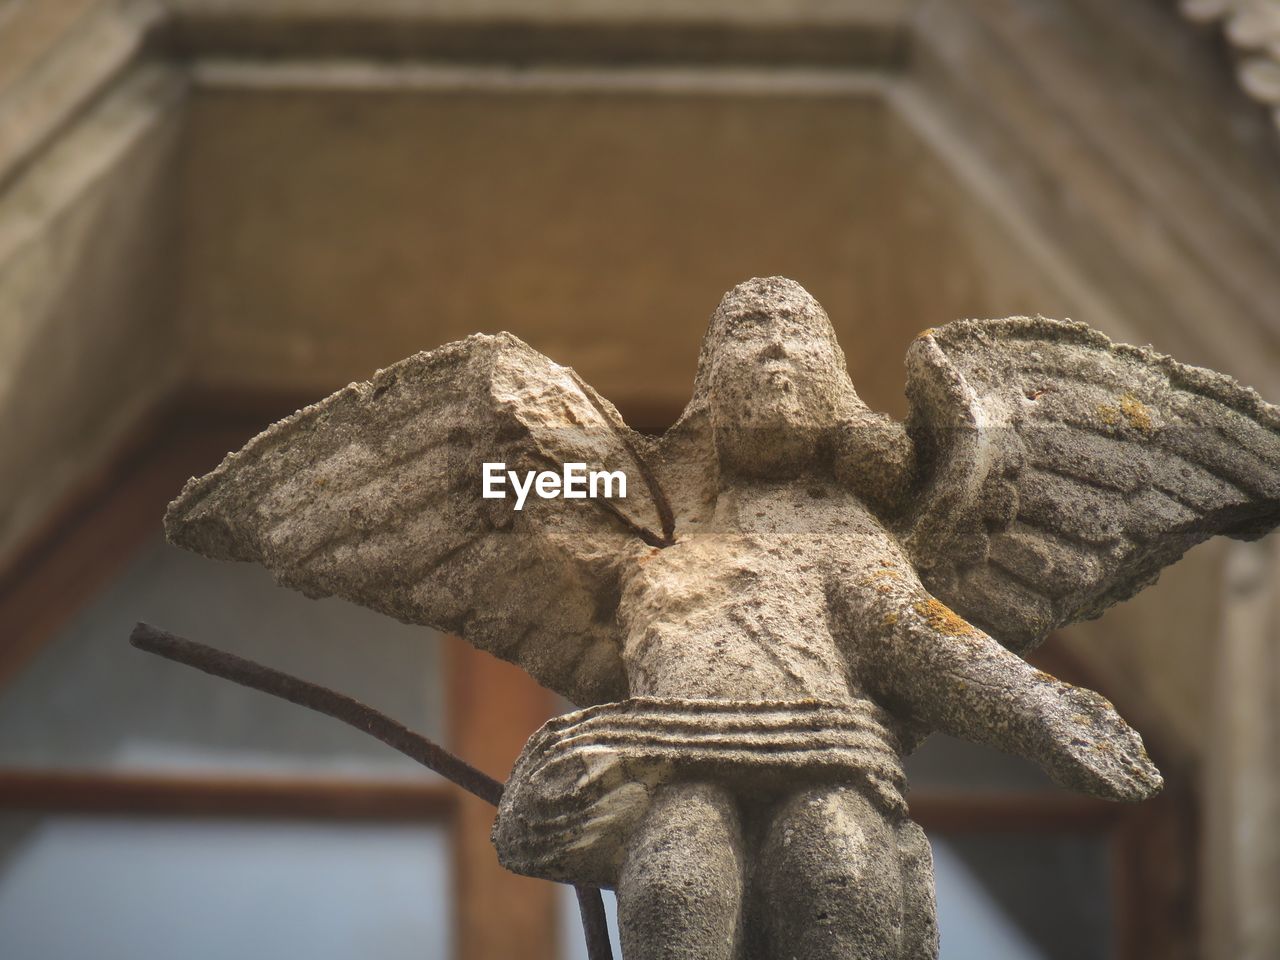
{"type": "Point", "coordinates": [934, 669]}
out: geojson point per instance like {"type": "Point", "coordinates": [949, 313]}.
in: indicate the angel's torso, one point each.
{"type": "Point", "coordinates": [747, 606]}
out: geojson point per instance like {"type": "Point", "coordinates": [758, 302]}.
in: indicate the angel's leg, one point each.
{"type": "Point", "coordinates": [919, 912]}
{"type": "Point", "coordinates": [680, 890]}
{"type": "Point", "coordinates": [830, 883]}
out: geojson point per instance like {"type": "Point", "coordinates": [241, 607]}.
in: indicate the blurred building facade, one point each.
{"type": "Point", "coordinates": [214, 210]}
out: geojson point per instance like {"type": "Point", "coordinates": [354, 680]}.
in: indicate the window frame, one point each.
{"type": "Point", "coordinates": [114, 510]}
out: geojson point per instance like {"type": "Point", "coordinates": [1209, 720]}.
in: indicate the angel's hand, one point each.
{"type": "Point", "coordinates": [1084, 745]}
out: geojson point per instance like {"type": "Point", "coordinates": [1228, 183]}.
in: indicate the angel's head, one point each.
{"type": "Point", "coordinates": [772, 378]}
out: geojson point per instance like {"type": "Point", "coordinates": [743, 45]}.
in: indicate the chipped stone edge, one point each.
{"type": "Point", "coordinates": [1201, 381]}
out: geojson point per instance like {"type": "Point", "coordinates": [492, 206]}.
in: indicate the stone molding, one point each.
{"type": "Point", "coordinates": [58, 66]}
{"type": "Point", "coordinates": [1252, 28]}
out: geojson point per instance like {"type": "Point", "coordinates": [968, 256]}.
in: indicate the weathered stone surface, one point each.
{"type": "Point", "coordinates": [794, 592]}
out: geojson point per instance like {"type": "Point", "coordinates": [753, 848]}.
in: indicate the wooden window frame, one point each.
{"type": "Point", "coordinates": [89, 539]}
{"type": "Point", "coordinates": [116, 509]}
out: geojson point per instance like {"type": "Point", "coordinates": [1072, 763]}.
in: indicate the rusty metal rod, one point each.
{"type": "Point", "coordinates": [322, 700]}
{"type": "Point", "coordinates": [396, 735]}
{"type": "Point", "coordinates": [594, 924]}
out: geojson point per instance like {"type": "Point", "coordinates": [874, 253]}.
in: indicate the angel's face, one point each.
{"type": "Point", "coordinates": [777, 386]}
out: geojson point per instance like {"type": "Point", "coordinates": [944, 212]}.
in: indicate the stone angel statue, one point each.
{"type": "Point", "coordinates": [794, 592]}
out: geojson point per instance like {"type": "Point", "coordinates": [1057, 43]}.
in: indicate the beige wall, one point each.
{"type": "Point", "coordinates": [87, 340]}
{"type": "Point", "coordinates": [331, 232]}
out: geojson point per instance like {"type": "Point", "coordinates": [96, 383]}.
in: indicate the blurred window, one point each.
{"type": "Point", "coordinates": [112, 888]}
{"type": "Point", "coordinates": [148, 810]}
{"type": "Point", "coordinates": [88, 700]}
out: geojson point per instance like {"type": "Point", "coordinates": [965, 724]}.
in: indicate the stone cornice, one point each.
{"type": "Point", "coordinates": [56, 59]}
{"type": "Point", "coordinates": [605, 32]}
{"type": "Point", "coordinates": [1104, 127]}
{"type": "Point", "coordinates": [1252, 28]}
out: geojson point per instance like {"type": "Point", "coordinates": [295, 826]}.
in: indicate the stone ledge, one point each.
{"type": "Point", "coordinates": [53, 68]}
{"type": "Point", "coordinates": [867, 33]}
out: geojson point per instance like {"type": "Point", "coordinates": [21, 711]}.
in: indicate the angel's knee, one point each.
{"type": "Point", "coordinates": [830, 878]}
{"type": "Point", "coordinates": [919, 913]}
{"type": "Point", "coordinates": [680, 889]}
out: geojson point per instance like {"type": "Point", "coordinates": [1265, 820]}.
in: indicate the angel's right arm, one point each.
{"type": "Point", "coordinates": [875, 457]}
{"type": "Point", "coordinates": [934, 669]}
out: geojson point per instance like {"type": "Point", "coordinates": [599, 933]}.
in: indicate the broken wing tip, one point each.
{"type": "Point", "coordinates": [194, 521]}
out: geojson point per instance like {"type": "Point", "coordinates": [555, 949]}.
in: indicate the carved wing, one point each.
{"type": "Point", "coordinates": [375, 495]}
{"type": "Point", "coordinates": [1063, 471]}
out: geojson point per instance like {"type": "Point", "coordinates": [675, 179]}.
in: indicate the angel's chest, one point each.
{"type": "Point", "coordinates": [794, 513]}
{"type": "Point", "coordinates": [709, 571]}
{"type": "Point", "coordinates": [732, 616]}
{"type": "Point", "coordinates": [768, 557]}
{"type": "Point", "coordinates": [761, 585]}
